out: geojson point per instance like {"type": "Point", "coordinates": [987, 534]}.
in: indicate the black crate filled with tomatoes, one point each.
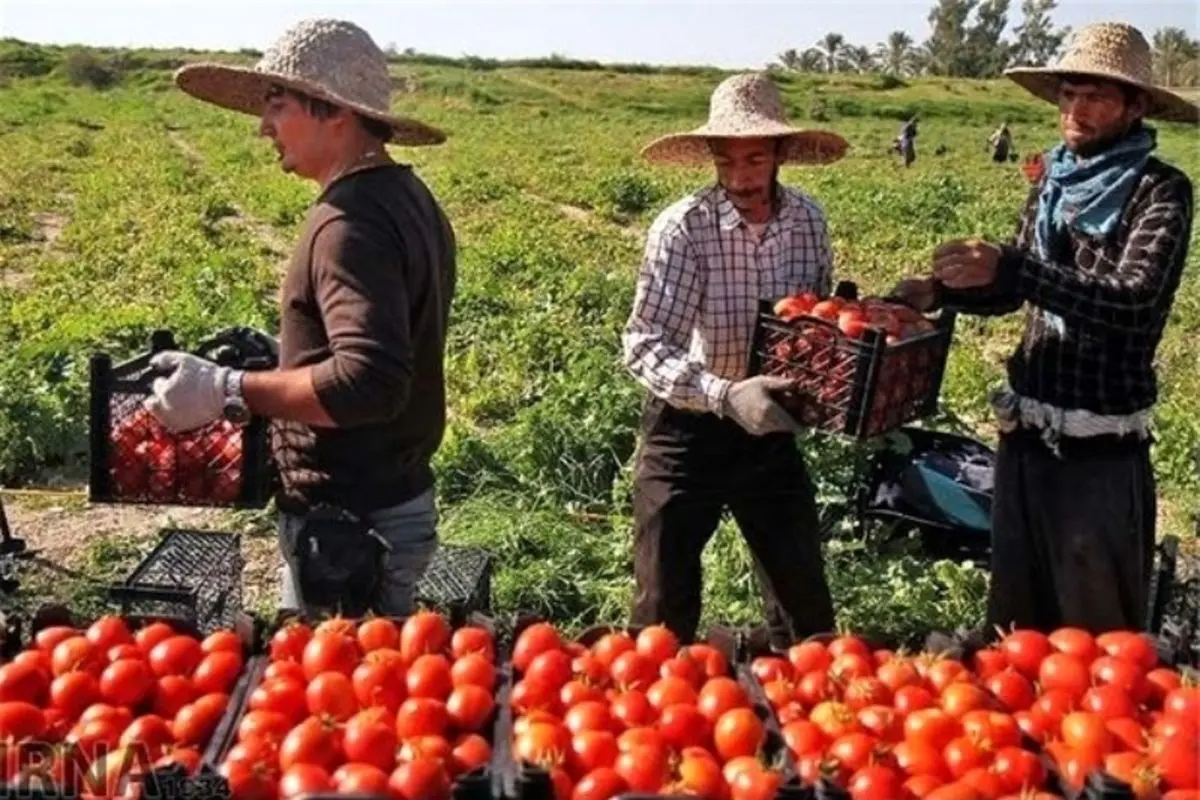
{"type": "Point", "coordinates": [134, 459]}
{"type": "Point", "coordinates": [108, 708]}
{"type": "Point", "coordinates": [861, 367]}
{"type": "Point", "coordinates": [369, 708]}
{"type": "Point", "coordinates": [1028, 715]}
{"type": "Point", "coordinates": [633, 713]}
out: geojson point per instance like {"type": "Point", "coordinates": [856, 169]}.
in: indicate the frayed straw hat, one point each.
{"type": "Point", "coordinates": [744, 106]}
{"type": "Point", "coordinates": [1114, 51]}
{"type": "Point", "coordinates": [330, 59]}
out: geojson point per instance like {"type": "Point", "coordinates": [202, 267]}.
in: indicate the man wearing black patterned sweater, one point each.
{"type": "Point", "coordinates": [1097, 259]}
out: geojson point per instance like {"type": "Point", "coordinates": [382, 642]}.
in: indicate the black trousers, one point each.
{"type": "Point", "coordinates": [690, 468]}
{"type": "Point", "coordinates": [1072, 537]}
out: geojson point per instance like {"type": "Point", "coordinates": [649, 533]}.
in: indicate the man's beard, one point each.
{"type": "Point", "coordinates": [1095, 147]}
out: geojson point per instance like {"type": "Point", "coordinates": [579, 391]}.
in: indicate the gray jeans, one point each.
{"type": "Point", "coordinates": [410, 530]}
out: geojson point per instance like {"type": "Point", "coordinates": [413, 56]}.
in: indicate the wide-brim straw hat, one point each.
{"type": "Point", "coordinates": [330, 59]}
{"type": "Point", "coordinates": [747, 106]}
{"type": "Point", "coordinates": [1114, 51]}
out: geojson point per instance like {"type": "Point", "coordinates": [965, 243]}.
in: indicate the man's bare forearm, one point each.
{"type": "Point", "coordinates": [285, 394]}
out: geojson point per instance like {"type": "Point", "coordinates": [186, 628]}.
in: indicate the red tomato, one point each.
{"type": "Point", "coordinates": [1026, 650]}
{"type": "Point", "coordinates": [331, 652]}
{"type": "Point", "coordinates": [420, 779]}
{"type": "Point", "coordinates": [599, 784]}
{"type": "Point", "coordinates": [422, 716]}
{"type": "Point", "coordinates": [1083, 731]}
{"type": "Point", "coordinates": [470, 708]}
{"type": "Point", "coordinates": [532, 642]}
{"type": "Point", "coordinates": [126, 682]}
{"type": "Point", "coordinates": [470, 752]}
{"type": "Point", "coordinates": [217, 671]}
{"type": "Point", "coordinates": [472, 640]}
{"type": "Point", "coordinates": [656, 643]}
{"type": "Point", "coordinates": [362, 779]}
{"type": "Point", "coordinates": [172, 693]}
{"type": "Point", "coordinates": [1012, 689]}
{"type": "Point", "coordinates": [288, 643]}
{"type": "Point", "coordinates": [24, 681]}
{"type": "Point", "coordinates": [610, 645]}
{"type": "Point", "coordinates": [808, 657]}
{"type": "Point", "coordinates": [1066, 673]}
{"type": "Point", "coordinates": [875, 782]}
{"type": "Point", "coordinates": [74, 653]}
{"type": "Point", "coordinates": [1136, 648]}
{"type": "Point", "coordinates": [176, 655]}
{"type": "Point", "coordinates": [107, 632]}
{"type": "Point", "coordinates": [1075, 642]}
{"type": "Point", "coordinates": [379, 633]}
{"type": "Point", "coordinates": [738, 732]}
{"type": "Point", "coordinates": [369, 739]}
{"type": "Point", "coordinates": [72, 692]}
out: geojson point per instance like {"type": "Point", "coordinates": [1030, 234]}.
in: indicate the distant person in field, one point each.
{"type": "Point", "coordinates": [712, 436]}
{"type": "Point", "coordinates": [358, 403]}
{"type": "Point", "coordinates": [1096, 262]}
{"type": "Point", "coordinates": [906, 142]}
{"type": "Point", "coordinates": [1001, 143]}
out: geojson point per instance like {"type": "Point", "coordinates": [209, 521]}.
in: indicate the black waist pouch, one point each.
{"type": "Point", "coordinates": [340, 559]}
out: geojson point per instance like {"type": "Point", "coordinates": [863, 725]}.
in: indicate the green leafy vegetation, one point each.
{"type": "Point", "coordinates": [135, 208]}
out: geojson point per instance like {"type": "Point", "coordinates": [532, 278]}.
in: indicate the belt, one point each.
{"type": "Point", "coordinates": [1054, 424]}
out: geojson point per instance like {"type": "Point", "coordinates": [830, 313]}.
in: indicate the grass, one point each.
{"type": "Point", "coordinates": [164, 202]}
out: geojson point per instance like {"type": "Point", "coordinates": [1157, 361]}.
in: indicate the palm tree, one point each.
{"type": "Point", "coordinates": [861, 59]}
{"type": "Point", "coordinates": [790, 59]}
{"type": "Point", "coordinates": [896, 54]}
{"type": "Point", "coordinates": [832, 45]}
{"type": "Point", "coordinates": [1173, 52]}
{"type": "Point", "coordinates": [812, 60]}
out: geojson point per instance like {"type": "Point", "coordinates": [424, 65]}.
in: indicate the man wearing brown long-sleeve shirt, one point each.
{"type": "Point", "coordinates": [358, 401]}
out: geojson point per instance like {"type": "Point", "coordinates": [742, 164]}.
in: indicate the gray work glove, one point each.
{"type": "Point", "coordinates": [193, 393]}
{"type": "Point", "coordinates": [749, 404]}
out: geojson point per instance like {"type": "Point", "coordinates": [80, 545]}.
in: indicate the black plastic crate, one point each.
{"type": "Point", "coordinates": [1173, 613]}
{"type": "Point", "coordinates": [161, 783]}
{"type": "Point", "coordinates": [855, 387]}
{"type": "Point", "coordinates": [209, 784]}
{"type": "Point", "coordinates": [458, 580]}
{"type": "Point", "coordinates": [190, 575]}
{"type": "Point", "coordinates": [133, 459]}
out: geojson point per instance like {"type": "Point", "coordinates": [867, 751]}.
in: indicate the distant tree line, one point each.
{"type": "Point", "coordinates": [966, 40]}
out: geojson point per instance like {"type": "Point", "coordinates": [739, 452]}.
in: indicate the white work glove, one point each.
{"type": "Point", "coordinates": [192, 395]}
{"type": "Point", "coordinates": [749, 404]}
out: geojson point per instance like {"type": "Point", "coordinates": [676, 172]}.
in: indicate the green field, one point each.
{"type": "Point", "coordinates": [136, 207]}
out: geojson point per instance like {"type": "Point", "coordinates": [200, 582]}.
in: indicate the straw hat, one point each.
{"type": "Point", "coordinates": [1112, 50]}
{"type": "Point", "coordinates": [330, 59]}
{"type": "Point", "coordinates": [746, 106]}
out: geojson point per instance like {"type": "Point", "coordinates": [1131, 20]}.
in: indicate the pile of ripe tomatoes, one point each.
{"type": "Point", "coordinates": [1028, 712]}
{"type": "Point", "coordinates": [87, 709]}
{"type": "Point", "coordinates": [376, 707]}
{"type": "Point", "coordinates": [637, 712]}
{"type": "Point", "coordinates": [819, 347]}
{"type": "Point", "coordinates": [150, 463]}
{"type": "Point", "coordinates": [854, 318]}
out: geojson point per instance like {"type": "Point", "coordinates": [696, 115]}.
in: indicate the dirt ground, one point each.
{"type": "Point", "coordinates": [109, 540]}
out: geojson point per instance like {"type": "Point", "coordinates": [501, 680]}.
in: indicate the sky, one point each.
{"type": "Point", "coordinates": [732, 34]}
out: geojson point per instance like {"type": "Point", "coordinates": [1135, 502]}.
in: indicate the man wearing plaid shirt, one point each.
{"type": "Point", "coordinates": [713, 437]}
{"type": "Point", "coordinates": [1097, 258]}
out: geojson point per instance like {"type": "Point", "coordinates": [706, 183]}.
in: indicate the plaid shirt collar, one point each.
{"type": "Point", "coordinates": [729, 218]}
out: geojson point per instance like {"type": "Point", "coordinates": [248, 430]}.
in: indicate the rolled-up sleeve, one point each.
{"type": "Point", "coordinates": [657, 333]}
{"type": "Point", "coordinates": [359, 276]}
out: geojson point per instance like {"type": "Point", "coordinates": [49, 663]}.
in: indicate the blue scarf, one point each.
{"type": "Point", "coordinates": [1088, 194]}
